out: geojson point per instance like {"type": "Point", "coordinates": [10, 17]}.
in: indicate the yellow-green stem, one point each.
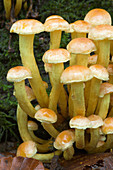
{"type": "Point", "coordinates": [28, 60]}
{"type": "Point", "coordinates": [81, 34]}
{"type": "Point", "coordinates": [110, 79]}
{"type": "Point", "coordinates": [86, 92]}
{"type": "Point", "coordinates": [80, 139]}
{"type": "Point", "coordinates": [18, 7]}
{"type": "Point", "coordinates": [73, 35]}
{"type": "Point", "coordinates": [55, 39]}
{"type": "Point", "coordinates": [111, 113]}
{"type": "Point", "coordinates": [7, 6]}
{"type": "Point", "coordinates": [82, 59]}
{"type": "Point", "coordinates": [73, 59]}
{"type": "Point", "coordinates": [68, 153]}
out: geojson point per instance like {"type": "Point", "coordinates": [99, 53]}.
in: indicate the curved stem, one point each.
{"type": "Point", "coordinates": [7, 6]}
{"type": "Point", "coordinates": [104, 106]}
{"type": "Point", "coordinates": [28, 60]}
{"type": "Point", "coordinates": [93, 96]}
{"type": "Point", "coordinates": [55, 39]}
{"type": "Point", "coordinates": [50, 129]}
{"type": "Point", "coordinates": [21, 95]}
{"type": "Point", "coordinates": [46, 157]}
{"type": "Point", "coordinates": [18, 7]}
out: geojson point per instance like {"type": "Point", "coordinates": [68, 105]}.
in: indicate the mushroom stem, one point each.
{"type": "Point", "coordinates": [93, 96]}
{"type": "Point", "coordinates": [104, 106]}
{"type": "Point", "coordinates": [21, 95]}
{"type": "Point", "coordinates": [81, 34]}
{"type": "Point", "coordinates": [46, 157]}
{"type": "Point", "coordinates": [95, 135]}
{"type": "Point", "coordinates": [82, 59]}
{"type": "Point", "coordinates": [98, 106]}
{"type": "Point", "coordinates": [108, 145]}
{"type": "Point", "coordinates": [111, 113]}
{"type": "Point", "coordinates": [55, 39]}
{"type": "Point", "coordinates": [50, 129]}
{"type": "Point", "coordinates": [86, 92]}
{"type": "Point", "coordinates": [18, 7]}
{"type": "Point", "coordinates": [103, 52]}
{"type": "Point", "coordinates": [73, 59]}
{"type": "Point", "coordinates": [80, 139]}
{"type": "Point", "coordinates": [7, 6]}
{"type": "Point", "coordinates": [68, 153]}
{"type": "Point", "coordinates": [77, 96]}
{"type": "Point", "coordinates": [28, 60]}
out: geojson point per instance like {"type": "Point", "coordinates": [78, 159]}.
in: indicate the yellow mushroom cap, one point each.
{"type": "Point", "coordinates": [53, 17]}
{"type": "Point", "coordinates": [64, 140]}
{"type": "Point", "coordinates": [98, 16]}
{"type": "Point", "coordinates": [81, 46]}
{"type": "Point", "coordinates": [27, 26]}
{"type": "Point", "coordinates": [100, 72]}
{"type": "Point", "coordinates": [76, 73]}
{"type": "Point", "coordinates": [32, 125]}
{"type": "Point", "coordinates": [96, 121]}
{"type": "Point", "coordinates": [48, 67]}
{"type": "Point", "coordinates": [80, 122]}
{"type": "Point", "coordinates": [27, 149]}
{"type": "Point", "coordinates": [110, 69]}
{"type": "Point", "coordinates": [30, 93]}
{"type": "Point", "coordinates": [105, 88]}
{"type": "Point", "coordinates": [101, 32]}
{"type": "Point", "coordinates": [107, 128]}
{"type": "Point", "coordinates": [46, 115]}
{"type": "Point", "coordinates": [56, 56]}
{"type": "Point", "coordinates": [56, 24]}
{"type": "Point", "coordinates": [18, 73]}
{"type": "Point", "coordinates": [81, 26]}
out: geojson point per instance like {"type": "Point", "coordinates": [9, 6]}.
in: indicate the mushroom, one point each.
{"type": "Point", "coordinates": [80, 123]}
{"type": "Point", "coordinates": [7, 6]}
{"type": "Point", "coordinates": [53, 17]}
{"type": "Point", "coordinates": [80, 28]}
{"type": "Point", "coordinates": [92, 60]}
{"type": "Point", "coordinates": [99, 73]}
{"type": "Point", "coordinates": [102, 34]}
{"type": "Point", "coordinates": [64, 141]}
{"type": "Point", "coordinates": [110, 71]}
{"type": "Point", "coordinates": [18, 75]}
{"type": "Point", "coordinates": [76, 75]}
{"type": "Point", "coordinates": [55, 26]}
{"type": "Point", "coordinates": [18, 7]}
{"type": "Point", "coordinates": [80, 48]}
{"type": "Point", "coordinates": [57, 57]}
{"type": "Point", "coordinates": [105, 90]}
{"type": "Point", "coordinates": [96, 123]}
{"type": "Point", "coordinates": [26, 29]}
{"type": "Point", "coordinates": [29, 149]}
{"type": "Point", "coordinates": [32, 126]}
{"type": "Point", "coordinates": [47, 117]}
{"type": "Point", "coordinates": [107, 129]}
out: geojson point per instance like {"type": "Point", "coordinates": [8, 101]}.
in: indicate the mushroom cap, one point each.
{"type": "Point", "coordinates": [53, 17]}
{"type": "Point", "coordinates": [45, 84]}
{"type": "Point", "coordinates": [81, 46]}
{"type": "Point", "coordinates": [56, 24]}
{"type": "Point", "coordinates": [99, 72]}
{"type": "Point", "coordinates": [96, 121]}
{"type": "Point", "coordinates": [81, 26]}
{"type": "Point", "coordinates": [56, 56]}
{"type": "Point", "coordinates": [32, 125]}
{"type": "Point", "coordinates": [105, 88]}
{"type": "Point", "coordinates": [46, 115]}
{"type": "Point", "coordinates": [27, 26]}
{"type": "Point", "coordinates": [70, 29]}
{"type": "Point", "coordinates": [27, 149]}
{"type": "Point", "coordinates": [30, 93]}
{"type": "Point", "coordinates": [110, 69]}
{"type": "Point", "coordinates": [37, 107]}
{"type": "Point", "coordinates": [18, 73]}
{"type": "Point", "coordinates": [64, 140]}
{"type": "Point", "coordinates": [76, 73]}
{"type": "Point", "coordinates": [101, 32]}
{"type": "Point", "coordinates": [92, 59]}
{"type": "Point", "coordinates": [80, 122]}
{"type": "Point", "coordinates": [98, 16]}
{"type": "Point", "coordinates": [48, 67]}
{"type": "Point", "coordinates": [107, 128]}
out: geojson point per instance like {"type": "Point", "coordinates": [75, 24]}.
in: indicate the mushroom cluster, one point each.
{"type": "Point", "coordinates": [84, 104]}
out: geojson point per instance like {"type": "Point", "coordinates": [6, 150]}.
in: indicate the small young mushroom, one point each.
{"type": "Point", "coordinates": [27, 28]}
{"type": "Point", "coordinates": [47, 117]}
{"type": "Point", "coordinates": [99, 73]}
{"type": "Point", "coordinates": [57, 57]}
{"type": "Point", "coordinates": [80, 48]}
{"type": "Point", "coordinates": [105, 90]}
{"type": "Point", "coordinates": [18, 75]}
{"type": "Point", "coordinates": [96, 123]}
{"type": "Point", "coordinates": [55, 26]}
{"type": "Point", "coordinates": [64, 141]}
{"type": "Point", "coordinates": [107, 129]}
{"type": "Point", "coordinates": [102, 34]}
{"type": "Point", "coordinates": [53, 17]}
{"type": "Point", "coordinates": [76, 75]}
{"type": "Point", "coordinates": [80, 123]}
